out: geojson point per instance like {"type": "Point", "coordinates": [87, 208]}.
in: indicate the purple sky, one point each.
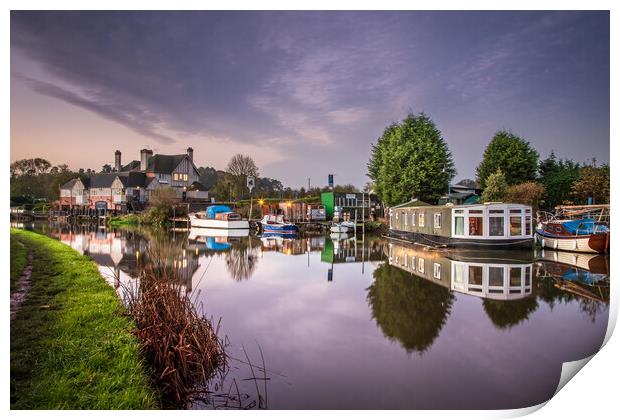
{"type": "Point", "coordinates": [304, 93]}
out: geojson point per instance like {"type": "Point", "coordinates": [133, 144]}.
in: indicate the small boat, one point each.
{"type": "Point", "coordinates": [218, 217]}
{"type": "Point", "coordinates": [197, 233]}
{"type": "Point", "coordinates": [272, 223]}
{"type": "Point", "coordinates": [581, 235]}
{"type": "Point", "coordinates": [342, 227]}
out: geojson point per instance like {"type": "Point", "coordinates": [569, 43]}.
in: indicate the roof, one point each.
{"type": "Point", "coordinates": [103, 180]}
{"type": "Point", "coordinates": [466, 183]}
{"type": "Point", "coordinates": [133, 179]}
{"type": "Point", "coordinates": [69, 184]}
{"type": "Point", "coordinates": [164, 164]}
{"type": "Point", "coordinates": [412, 203]}
{"type": "Point", "coordinates": [134, 164]}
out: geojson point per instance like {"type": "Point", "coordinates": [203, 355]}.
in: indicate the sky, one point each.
{"type": "Point", "coordinates": [305, 94]}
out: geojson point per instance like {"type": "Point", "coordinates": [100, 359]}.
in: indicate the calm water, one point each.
{"type": "Point", "coordinates": [352, 323]}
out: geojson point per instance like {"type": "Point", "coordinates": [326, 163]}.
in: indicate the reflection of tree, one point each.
{"type": "Point", "coordinates": [408, 309]}
{"type": "Point", "coordinates": [507, 314]}
{"type": "Point", "coordinates": [241, 260]}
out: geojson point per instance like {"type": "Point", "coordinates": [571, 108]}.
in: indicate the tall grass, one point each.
{"type": "Point", "coordinates": [180, 343]}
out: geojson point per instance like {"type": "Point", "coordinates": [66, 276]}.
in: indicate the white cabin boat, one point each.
{"type": "Point", "coordinates": [218, 217]}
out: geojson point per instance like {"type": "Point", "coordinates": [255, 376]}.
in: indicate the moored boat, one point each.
{"type": "Point", "coordinates": [275, 224]}
{"type": "Point", "coordinates": [342, 227]}
{"type": "Point", "coordinates": [581, 235]}
{"type": "Point", "coordinates": [218, 217]}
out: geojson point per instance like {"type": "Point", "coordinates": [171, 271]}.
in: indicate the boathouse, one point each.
{"type": "Point", "coordinates": [478, 225]}
{"type": "Point", "coordinates": [367, 205]}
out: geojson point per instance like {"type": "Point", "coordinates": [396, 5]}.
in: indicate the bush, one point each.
{"type": "Point", "coordinates": [528, 193]}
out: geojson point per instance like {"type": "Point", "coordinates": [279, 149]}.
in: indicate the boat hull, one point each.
{"type": "Point", "coordinates": [280, 229]}
{"type": "Point", "coordinates": [469, 243]}
{"type": "Point", "coordinates": [594, 244]}
{"type": "Point", "coordinates": [218, 224]}
{"type": "Point", "coordinates": [199, 232]}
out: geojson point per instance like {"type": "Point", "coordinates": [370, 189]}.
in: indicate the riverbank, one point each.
{"type": "Point", "coordinates": [71, 343]}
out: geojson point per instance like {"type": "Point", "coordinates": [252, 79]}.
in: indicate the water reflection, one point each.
{"type": "Point", "coordinates": [436, 328]}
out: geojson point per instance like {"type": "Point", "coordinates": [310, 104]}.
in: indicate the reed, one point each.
{"type": "Point", "coordinates": [180, 343]}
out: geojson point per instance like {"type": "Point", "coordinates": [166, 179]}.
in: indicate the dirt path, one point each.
{"type": "Point", "coordinates": [23, 287]}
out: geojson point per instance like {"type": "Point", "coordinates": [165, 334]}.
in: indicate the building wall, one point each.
{"type": "Point", "coordinates": [407, 219]}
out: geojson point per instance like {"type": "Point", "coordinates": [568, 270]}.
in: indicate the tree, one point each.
{"type": "Point", "coordinates": [557, 176]}
{"type": "Point", "coordinates": [240, 167]}
{"type": "Point", "coordinates": [593, 182]}
{"type": "Point", "coordinates": [528, 193]}
{"type": "Point", "coordinates": [107, 168]}
{"type": "Point", "coordinates": [513, 155]}
{"type": "Point", "coordinates": [410, 159]}
{"type": "Point", "coordinates": [496, 187]}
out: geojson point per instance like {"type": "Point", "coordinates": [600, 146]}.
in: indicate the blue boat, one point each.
{"type": "Point", "coordinates": [272, 223]}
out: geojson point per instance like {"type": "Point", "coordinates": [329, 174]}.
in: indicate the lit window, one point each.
{"type": "Point", "coordinates": [515, 226]}
{"type": "Point", "coordinates": [437, 220]}
{"type": "Point", "coordinates": [459, 225]}
{"type": "Point", "coordinates": [185, 177]}
{"type": "Point", "coordinates": [528, 225]}
{"type": "Point", "coordinates": [475, 225]}
{"type": "Point", "coordinates": [496, 226]}
{"type": "Point", "coordinates": [421, 265]}
{"type": "Point", "coordinates": [413, 219]}
{"type": "Point", "coordinates": [437, 270]}
{"type": "Point", "coordinates": [176, 177]}
{"type": "Point", "coordinates": [421, 219]}
{"type": "Point", "coordinates": [406, 218]}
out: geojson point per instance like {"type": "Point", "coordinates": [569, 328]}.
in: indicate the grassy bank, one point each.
{"type": "Point", "coordinates": [71, 345]}
{"type": "Point", "coordinates": [18, 260]}
{"type": "Point", "coordinates": [123, 221]}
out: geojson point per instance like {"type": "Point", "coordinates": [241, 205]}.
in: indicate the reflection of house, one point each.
{"type": "Point", "coordinates": [349, 249]}
{"type": "Point", "coordinates": [498, 279]}
{"type": "Point", "coordinates": [133, 183]}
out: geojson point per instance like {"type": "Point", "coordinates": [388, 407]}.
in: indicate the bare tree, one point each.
{"type": "Point", "coordinates": [241, 165]}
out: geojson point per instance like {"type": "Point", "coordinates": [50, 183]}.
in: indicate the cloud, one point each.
{"type": "Point", "coordinates": [135, 118]}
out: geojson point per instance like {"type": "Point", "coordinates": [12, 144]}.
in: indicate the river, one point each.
{"type": "Point", "coordinates": [354, 323]}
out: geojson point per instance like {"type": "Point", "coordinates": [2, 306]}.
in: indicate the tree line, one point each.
{"type": "Point", "coordinates": [412, 160]}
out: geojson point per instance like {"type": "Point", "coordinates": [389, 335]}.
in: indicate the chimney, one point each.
{"type": "Point", "coordinates": [117, 161]}
{"type": "Point", "coordinates": [190, 153]}
{"type": "Point", "coordinates": [145, 154]}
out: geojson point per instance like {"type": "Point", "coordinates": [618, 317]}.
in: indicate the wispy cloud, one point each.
{"type": "Point", "coordinates": [138, 119]}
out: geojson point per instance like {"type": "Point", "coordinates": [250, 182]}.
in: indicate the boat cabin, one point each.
{"type": "Point", "coordinates": [463, 225]}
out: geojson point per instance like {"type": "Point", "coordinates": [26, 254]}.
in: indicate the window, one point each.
{"type": "Point", "coordinates": [413, 219]}
{"type": "Point", "coordinates": [515, 276]}
{"type": "Point", "coordinates": [175, 177]}
{"type": "Point", "coordinates": [528, 225]}
{"type": "Point", "coordinates": [528, 276]}
{"type": "Point", "coordinates": [475, 225]}
{"type": "Point", "coordinates": [496, 276]}
{"type": "Point", "coordinates": [437, 270]}
{"type": "Point", "coordinates": [185, 177]}
{"type": "Point", "coordinates": [406, 219]}
{"type": "Point", "coordinates": [437, 220]}
{"type": "Point", "coordinates": [515, 225]}
{"type": "Point", "coordinates": [421, 219]}
{"type": "Point", "coordinates": [405, 260]}
{"type": "Point", "coordinates": [475, 275]}
{"type": "Point", "coordinates": [459, 225]}
{"type": "Point", "coordinates": [496, 226]}
{"type": "Point", "coordinates": [421, 265]}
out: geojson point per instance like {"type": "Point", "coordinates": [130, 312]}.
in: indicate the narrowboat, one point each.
{"type": "Point", "coordinates": [275, 224]}
{"type": "Point", "coordinates": [218, 217]}
{"type": "Point", "coordinates": [488, 225]}
{"type": "Point", "coordinates": [581, 235]}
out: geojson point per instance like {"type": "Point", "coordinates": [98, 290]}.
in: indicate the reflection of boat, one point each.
{"type": "Point", "coordinates": [279, 235]}
{"type": "Point", "coordinates": [498, 278]}
{"type": "Point", "coordinates": [196, 233]}
{"type": "Point", "coordinates": [595, 263]}
{"type": "Point", "coordinates": [272, 223]}
{"type": "Point", "coordinates": [577, 280]}
{"type": "Point", "coordinates": [581, 235]}
{"type": "Point", "coordinates": [341, 236]}
{"type": "Point", "coordinates": [342, 227]}
{"type": "Point", "coordinates": [218, 217]}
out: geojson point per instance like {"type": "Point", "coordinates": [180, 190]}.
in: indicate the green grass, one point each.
{"type": "Point", "coordinates": [71, 345]}
{"type": "Point", "coordinates": [127, 220]}
{"type": "Point", "coordinates": [18, 260]}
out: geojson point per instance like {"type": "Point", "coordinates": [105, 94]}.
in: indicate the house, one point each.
{"type": "Point", "coordinates": [337, 203]}
{"type": "Point", "coordinates": [128, 187]}
{"type": "Point", "coordinates": [466, 191]}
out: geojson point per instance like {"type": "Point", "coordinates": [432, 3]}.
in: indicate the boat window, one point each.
{"type": "Point", "coordinates": [459, 276]}
{"type": "Point", "coordinates": [437, 220]}
{"type": "Point", "coordinates": [528, 225]}
{"type": "Point", "coordinates": [413, 219]}
{"type": "Point", "coordinates": [496, 276]}
{"type": "Point", "coordinates": [496, 226]}
{"type": "Point", "coordinates": [558, 229]}
{"type": "Point", "coordinates": [459, 225]}
{"type": "Point", "coordinates": [459, 211]}
{"type": "Point", "coordinates": [406, 218]}
{"type": "Point", "coordinates": [515, 226]}
{"type": "Point", "coordinates": [528, 276]}
{"type": "Point", "coordinates": [475, 225]}
{"type": "Point", "coordinates": [475, 275]}
{"type": "Point", "coordinates": [475, 212]}
{"type": "Point", "coordinates": [405, 260]}
{"type": "Point", "coordinates": [515, 276]}
{"type": "Point", "coordinates": [496, 211]}
{"type": "Point", "coordinates": [421, 265]}
{"type": "Point", "coordinates": [437, 270]}
{"type": "Point", "coordinates": [421, 219]}
{"type": "Point", "coordinates": [515, 211]}
{"type": "Point", "coordinates": [528, 210]}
